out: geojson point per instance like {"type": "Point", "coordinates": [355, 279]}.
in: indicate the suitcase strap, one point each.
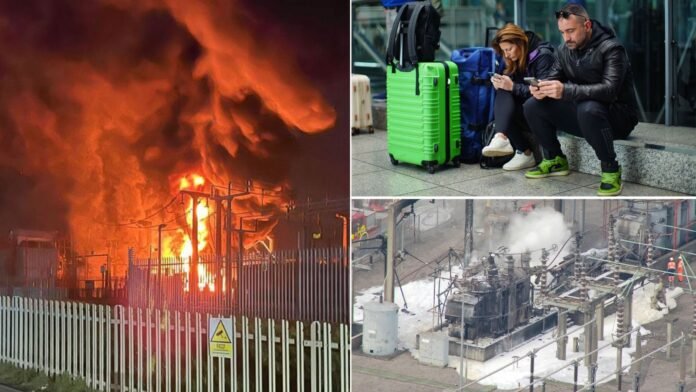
{"type": "Point", "coordinates": [410, 34]}
{"type": "Point", "coordinates": [447, 111]}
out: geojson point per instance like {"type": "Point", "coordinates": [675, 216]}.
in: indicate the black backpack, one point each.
{"type": "Point", "coordinates": [491, 162]}
{"type": "Point", "coordinates": [422, 37]}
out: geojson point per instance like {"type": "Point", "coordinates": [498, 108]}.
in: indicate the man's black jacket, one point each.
{"type": "Point", "coordinates": [599, 71]}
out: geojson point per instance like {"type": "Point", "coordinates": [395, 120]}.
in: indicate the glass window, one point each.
{"type": "Point", "coordinates": [640, 27]}
{"type": "Point", "coordinates": [369, 42]}
{"type": "Point", "coordinates": [639, 24]}
{"type": "Point", "coordinates": [684, 34]}
{"type": "Point", "coordinates": [463, 24]}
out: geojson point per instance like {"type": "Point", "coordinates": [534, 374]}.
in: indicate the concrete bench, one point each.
{"type": "Point", "coordinates": [653, 155]}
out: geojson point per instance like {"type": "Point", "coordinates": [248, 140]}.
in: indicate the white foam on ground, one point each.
{"type": "Point", "coordinates": [419, 296]}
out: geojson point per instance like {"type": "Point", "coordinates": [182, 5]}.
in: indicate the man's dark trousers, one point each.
{"type": "Point", "coordinates": [592, 120]}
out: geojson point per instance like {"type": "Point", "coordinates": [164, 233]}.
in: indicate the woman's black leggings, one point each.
{"type": "Point", "coordinates": [510, 120]}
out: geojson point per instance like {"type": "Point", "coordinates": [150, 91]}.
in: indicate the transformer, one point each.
{"type": "Point", "coordinates": [492, 301]}
{"type": "Point", "coordinates": [31, 259]}
{"type": "Point", "coordinates": [634, 222]}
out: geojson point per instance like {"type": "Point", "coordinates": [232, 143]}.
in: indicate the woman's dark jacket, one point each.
{"type": "Point", "coordinates": [540, 59]}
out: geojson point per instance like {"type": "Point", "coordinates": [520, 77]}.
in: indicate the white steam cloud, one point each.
{"type": "Point", "coordinates": [541, 228]}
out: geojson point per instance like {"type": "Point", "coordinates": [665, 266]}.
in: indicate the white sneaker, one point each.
{"type": "Point", "coordinates": [498, 147]}
{"type": "Point", "coordinates": [520, 161]}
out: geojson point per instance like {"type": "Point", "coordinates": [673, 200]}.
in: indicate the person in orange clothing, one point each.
{"type": "Point", "coordinates": [671, 269]}
{"type": "Point", "coordinates": [680, 269]}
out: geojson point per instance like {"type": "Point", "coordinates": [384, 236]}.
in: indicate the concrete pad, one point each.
{"type": "Point", "coordinates": [386, 183]}
{"type": "Point", "coordinates": [632, 189]}
{"type": "Point", "coordinates": [360, 167]}
{"type": "Point", "coordinates": [512, 184]}
{"type": "Point", "coordinates": [437, 192]}
{"type": "Point", "coordinates": [366, 143]}
{"type": "Point", "coordinates": [444, 176]}
{"type": "Point", "coordinates": [579, 179]}
{"type": "Point", "coordinates": [585, 191]}
{"type": "Point", "coordinates": [378, 158]}
{"type": "Point", "coordinates": [402, 373]}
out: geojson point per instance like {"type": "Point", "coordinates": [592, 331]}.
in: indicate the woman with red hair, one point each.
{"type": "Point", "coordinates": [526, 55]}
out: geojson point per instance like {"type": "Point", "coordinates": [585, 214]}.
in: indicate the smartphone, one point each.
{"type": "Point", "coordinates": [491, 74]}
{"type": "Point", "coordinates": [533, 81]}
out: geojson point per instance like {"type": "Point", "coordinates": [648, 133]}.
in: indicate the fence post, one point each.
{"type": "Point", "coordinates": [593, 377]}
{"type": "Point", "coordinates": [149, 357]}
{"type": "Point", "coordinates": [187, 316]}
{"type": "Point", "coordinates": [177, 350]}
{"type": "Point", "coordinates": [71, 338]}
{"type": "Point", "coordinates": [3, 330]}
{"type": "Point", "coordinates": [575, 375]}
{"type": "Point", "coordinates": [109, 348]}
{"type": "Point", "coordinates": [30, 332]}
{"type": "Point", "coordinates": [199, 352]}
{"type": "Point", "coordinates": [131, 351]}
{"type": "Point", "coordinates": [670, 325]}
{"type": "Point", "coordinates": [20, 334]}
{"type": "Point", "coordinates": [299, 341]}
{"type": "Point", "coordinates": [313, 354]}
{"type": "Point", "coordinates": [285, 341]}
{"type": "Point", "coordinates": [531, 370]}
{"type": "Point", "coordinates": [636, 382]}
{"type": "Point", "coordinates": [158, 350]}
{"type": "Point", "coordinates": [65, 335]}
{"type": "Point", "coordinates": [682, 365]}
{"type": "Point", "coordinates": [141, 347]}
{"type": "Point", "coordinates": [327, 356]}
{"type": "Point", "coordinates": [271, 354]}
{"type": "Point", "coordinates": [168, 350]}
{"type": "Point", "coordinates": [245, 353]}
{"type": "Point", "coordinates": [235, 350]}
{"type": "Point", "coordinates": [258, 353]}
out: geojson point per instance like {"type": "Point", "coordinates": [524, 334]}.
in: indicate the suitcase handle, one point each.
{"type": "Point", "coordinates": [488, 30]}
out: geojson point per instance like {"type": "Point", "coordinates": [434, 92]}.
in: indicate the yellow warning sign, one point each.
{"type": "Point", "coordinates": [220, 335]}
{"type": "Point", "coordinates": [220, 342]}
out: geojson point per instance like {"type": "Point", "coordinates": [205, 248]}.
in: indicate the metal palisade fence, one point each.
{"type": "Point", "coordinates": [135, 349]}
{"type": "Point", "coordinates": [306, 285]}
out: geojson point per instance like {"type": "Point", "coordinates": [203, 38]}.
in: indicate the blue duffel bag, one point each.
{"type": "Point", "coordinates": [394, 3]}
{"type": "Point", "coordinates": [477, 96]}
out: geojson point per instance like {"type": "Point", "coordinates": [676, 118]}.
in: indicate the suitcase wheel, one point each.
{"type": "Point", "coordinates": [431, 169]}
{"type": "Point", "coordinates": [371, 129]}
{"type": "Point", "coordinates": [393, 161]}
{"type": "Point", "coordinates": [456, 162]}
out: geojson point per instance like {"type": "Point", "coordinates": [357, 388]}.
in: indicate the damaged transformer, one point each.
{"type": "Point", "coordinates": [490, 301]}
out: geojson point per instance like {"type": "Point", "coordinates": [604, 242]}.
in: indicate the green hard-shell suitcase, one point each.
{"type": "Point", "coordinates": [423, 115]}
{"type": "Point", "coordinates": [423, 121]}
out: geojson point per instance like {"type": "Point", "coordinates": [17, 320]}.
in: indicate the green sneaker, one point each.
{"type": "Point", "coordinates": [557, 166]}
{"type": "Point", "coordinates": [611, 184]}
